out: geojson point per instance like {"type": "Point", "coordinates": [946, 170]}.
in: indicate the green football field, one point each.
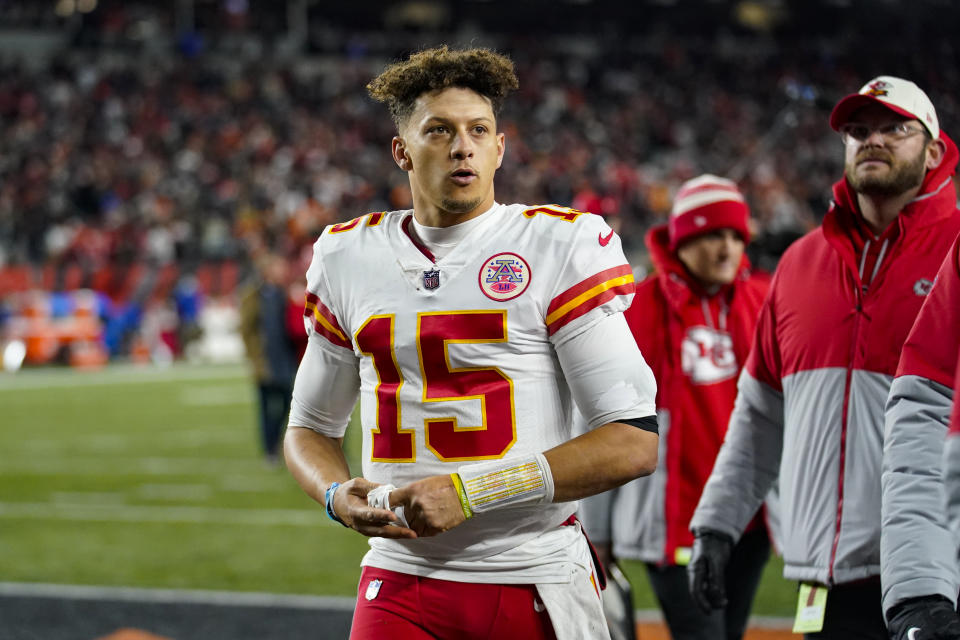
{"type": "Point", "coordinates": [154, 478]}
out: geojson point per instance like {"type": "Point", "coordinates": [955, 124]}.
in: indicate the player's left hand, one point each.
{"type": "Point", "coordinates": [924, 618]}
{"type": "Point", "coordinates": [431, 505]}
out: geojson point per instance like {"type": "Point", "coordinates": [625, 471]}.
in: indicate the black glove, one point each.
{"type": "Point", "coordinates": [924, 618]}
{"type": "Point", "coordinates": [711, 552]}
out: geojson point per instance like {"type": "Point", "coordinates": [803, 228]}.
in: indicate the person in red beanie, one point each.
{"type": "Point", "coordinates": [693, 321]}
{"type": "Point", "coordinates": [811, 400]}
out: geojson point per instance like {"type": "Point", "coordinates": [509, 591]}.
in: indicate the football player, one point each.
{"type": "Point", "coordinates": [467, 328]}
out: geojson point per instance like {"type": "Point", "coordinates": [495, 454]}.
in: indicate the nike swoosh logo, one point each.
{"type": "Point", "coordinates": [604, 240]}
{"type": "Point", "coordinates": [912, 633]}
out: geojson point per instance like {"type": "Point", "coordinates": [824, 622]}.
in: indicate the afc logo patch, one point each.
{"type": "Point", "coordinates": [706, 355]}
{"type": "Point", "coordinates": [504, 276]}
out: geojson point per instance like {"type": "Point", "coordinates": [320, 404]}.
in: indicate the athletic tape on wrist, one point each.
{"type": "Point", "coordinates": [379, 498]}
{"type": "Point", "coordinates": [492, 485]}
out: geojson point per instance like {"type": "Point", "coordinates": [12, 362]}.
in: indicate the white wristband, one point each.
{"type": "Point", "coordinates": [492, 485]}
{"type": "Point", "coordinates": [379, 498]}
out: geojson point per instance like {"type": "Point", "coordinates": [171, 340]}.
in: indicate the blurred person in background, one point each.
{"type": "Point", "coordinates": [693, 320]}
{"type": "Point", "coordinates": [810, 404]}
{"type": "Point", "coordinates": [468, 329]}
{"type": "Point", "coordinates": [273, 351]}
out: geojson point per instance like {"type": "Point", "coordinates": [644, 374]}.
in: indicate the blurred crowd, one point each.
{"type": "Point", "coordinates": [168, 164]}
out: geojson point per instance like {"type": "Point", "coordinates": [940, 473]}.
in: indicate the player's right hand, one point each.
{"type": "Point", "coordinates": [350, 505]}
{"type": "Point", "coordinates": [707, 568]}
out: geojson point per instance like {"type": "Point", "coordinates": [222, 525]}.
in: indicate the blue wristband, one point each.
{"type": "Point", "coordinates": [328, 498]}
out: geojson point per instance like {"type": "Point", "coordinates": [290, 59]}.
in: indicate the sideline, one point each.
{"type": "Point", "coordinates": [136, 513]}
{"type": "Point", "coordinates": [174, 596]}
{"type": "Point", "coordinates": [644, 617]}
{"type": "Point", "coordinates": [63, 377]}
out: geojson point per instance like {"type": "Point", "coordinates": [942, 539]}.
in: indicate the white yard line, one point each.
{"type": "Point", "coordinates": [117, 374]}
{"type": "Point", "coordinates": [113, 466]}
{"type": "Point", "coordinates": [93, 443]}
{"type": "Point", "coordinates": [175, 596]}
{"type": "Point", "coordinates": [215, 395]}
{"type": "Point", "coordinates": [773, 623]}
{"type": "Point", "coordinates": [87, 497]}
{"type": "Point", "coordinates": [162, 514]}
{"type": "Point", "coordinates": [253, 484]}
{"type": "Point", "coordinates": [175, 491]}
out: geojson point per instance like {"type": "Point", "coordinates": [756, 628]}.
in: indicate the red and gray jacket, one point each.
{"type": "Point", "coordinates": [951, 458]}
{"type": "Point", "coordinates": [810, 406]}
{"type": "Point", "coordinates": [917, 551]}
{"type": "Point", "coordinates": [696, 344]}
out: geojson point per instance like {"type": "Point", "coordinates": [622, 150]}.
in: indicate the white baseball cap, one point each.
{"type": "Point", "coordinates": [899, 95]}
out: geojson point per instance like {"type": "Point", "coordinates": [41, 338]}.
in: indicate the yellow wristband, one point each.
{"type": "Point", "coordinates": [464, 503]}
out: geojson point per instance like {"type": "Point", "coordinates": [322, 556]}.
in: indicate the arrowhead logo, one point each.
{"type": "Point", "coordinates": [605, 239]}
{"type": "Point", "coordinates": [922, 287]}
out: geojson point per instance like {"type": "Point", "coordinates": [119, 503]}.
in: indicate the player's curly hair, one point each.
{"type": "Point", "coordinates": [488, 73]}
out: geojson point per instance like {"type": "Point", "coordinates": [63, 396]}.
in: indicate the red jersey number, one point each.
{"type": "Point", "coordinates": [448, 440]}
{"type": "Point", "coordinates": [442, 383]}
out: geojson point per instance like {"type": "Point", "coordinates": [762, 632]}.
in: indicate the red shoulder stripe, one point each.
{"type": "Point", "coordinates": [324, 322]}
{"type": "Point", "coordinates": [589, 294]}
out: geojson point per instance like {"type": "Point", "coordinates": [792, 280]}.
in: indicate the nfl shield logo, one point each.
{"type": "Point", "coordinates": [373, 588]}
{"type": "Point", "coordinates": [431, 279]}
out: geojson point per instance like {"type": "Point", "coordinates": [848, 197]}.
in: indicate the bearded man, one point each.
{"type": "Point", "coordinates": [809, 412]}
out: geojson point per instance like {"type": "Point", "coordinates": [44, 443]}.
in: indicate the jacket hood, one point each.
{"type": "Point", "coordinates": [678, 285]}
{"type": "Point", "coordinates": [935, 190]}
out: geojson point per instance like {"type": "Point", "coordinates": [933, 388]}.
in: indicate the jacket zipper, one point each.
{"type": "Point", "coordinates": [858, 293]}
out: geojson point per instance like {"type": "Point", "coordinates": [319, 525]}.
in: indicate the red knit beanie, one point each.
{"type": "Point", "coordinates": [704, 204]}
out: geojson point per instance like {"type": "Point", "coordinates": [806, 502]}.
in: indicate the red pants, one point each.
{"type": "Point", "coordinates": [407, 607]}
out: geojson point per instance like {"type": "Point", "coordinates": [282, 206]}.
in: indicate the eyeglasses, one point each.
{"type": "Point", "coordinates": [854, 132]}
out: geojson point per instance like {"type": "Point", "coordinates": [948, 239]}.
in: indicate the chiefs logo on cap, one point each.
{"type": "Point", "coordinates": [878, 88]}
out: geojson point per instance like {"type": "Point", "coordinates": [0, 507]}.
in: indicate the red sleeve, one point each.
{"type": "Point", "coordinates": [931, 347]}
{"type": "Point", "coordinates": [295, 328]}
{"type": "Point", "coordinates": [645, 322]}
{"type": "Point", "coordinates": [748, 303]}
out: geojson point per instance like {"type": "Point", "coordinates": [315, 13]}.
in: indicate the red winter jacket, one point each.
{"type": "Point", "coordinates": [810, 404]}
{"type": "Point", "coordinates": [696, 344]}
{"type": "Point", "coordinates": [951, 455]}
{"type": "Point", "coordinates": [917, 550]}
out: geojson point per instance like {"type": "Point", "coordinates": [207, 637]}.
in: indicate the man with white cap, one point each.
{"type": "Point", "coordinates": [693, 320]}
{"type": "Point", "coordinates": [810, 404]}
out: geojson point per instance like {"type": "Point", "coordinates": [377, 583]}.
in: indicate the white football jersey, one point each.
{"type": "Point", "coordinates": [457, 356]}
